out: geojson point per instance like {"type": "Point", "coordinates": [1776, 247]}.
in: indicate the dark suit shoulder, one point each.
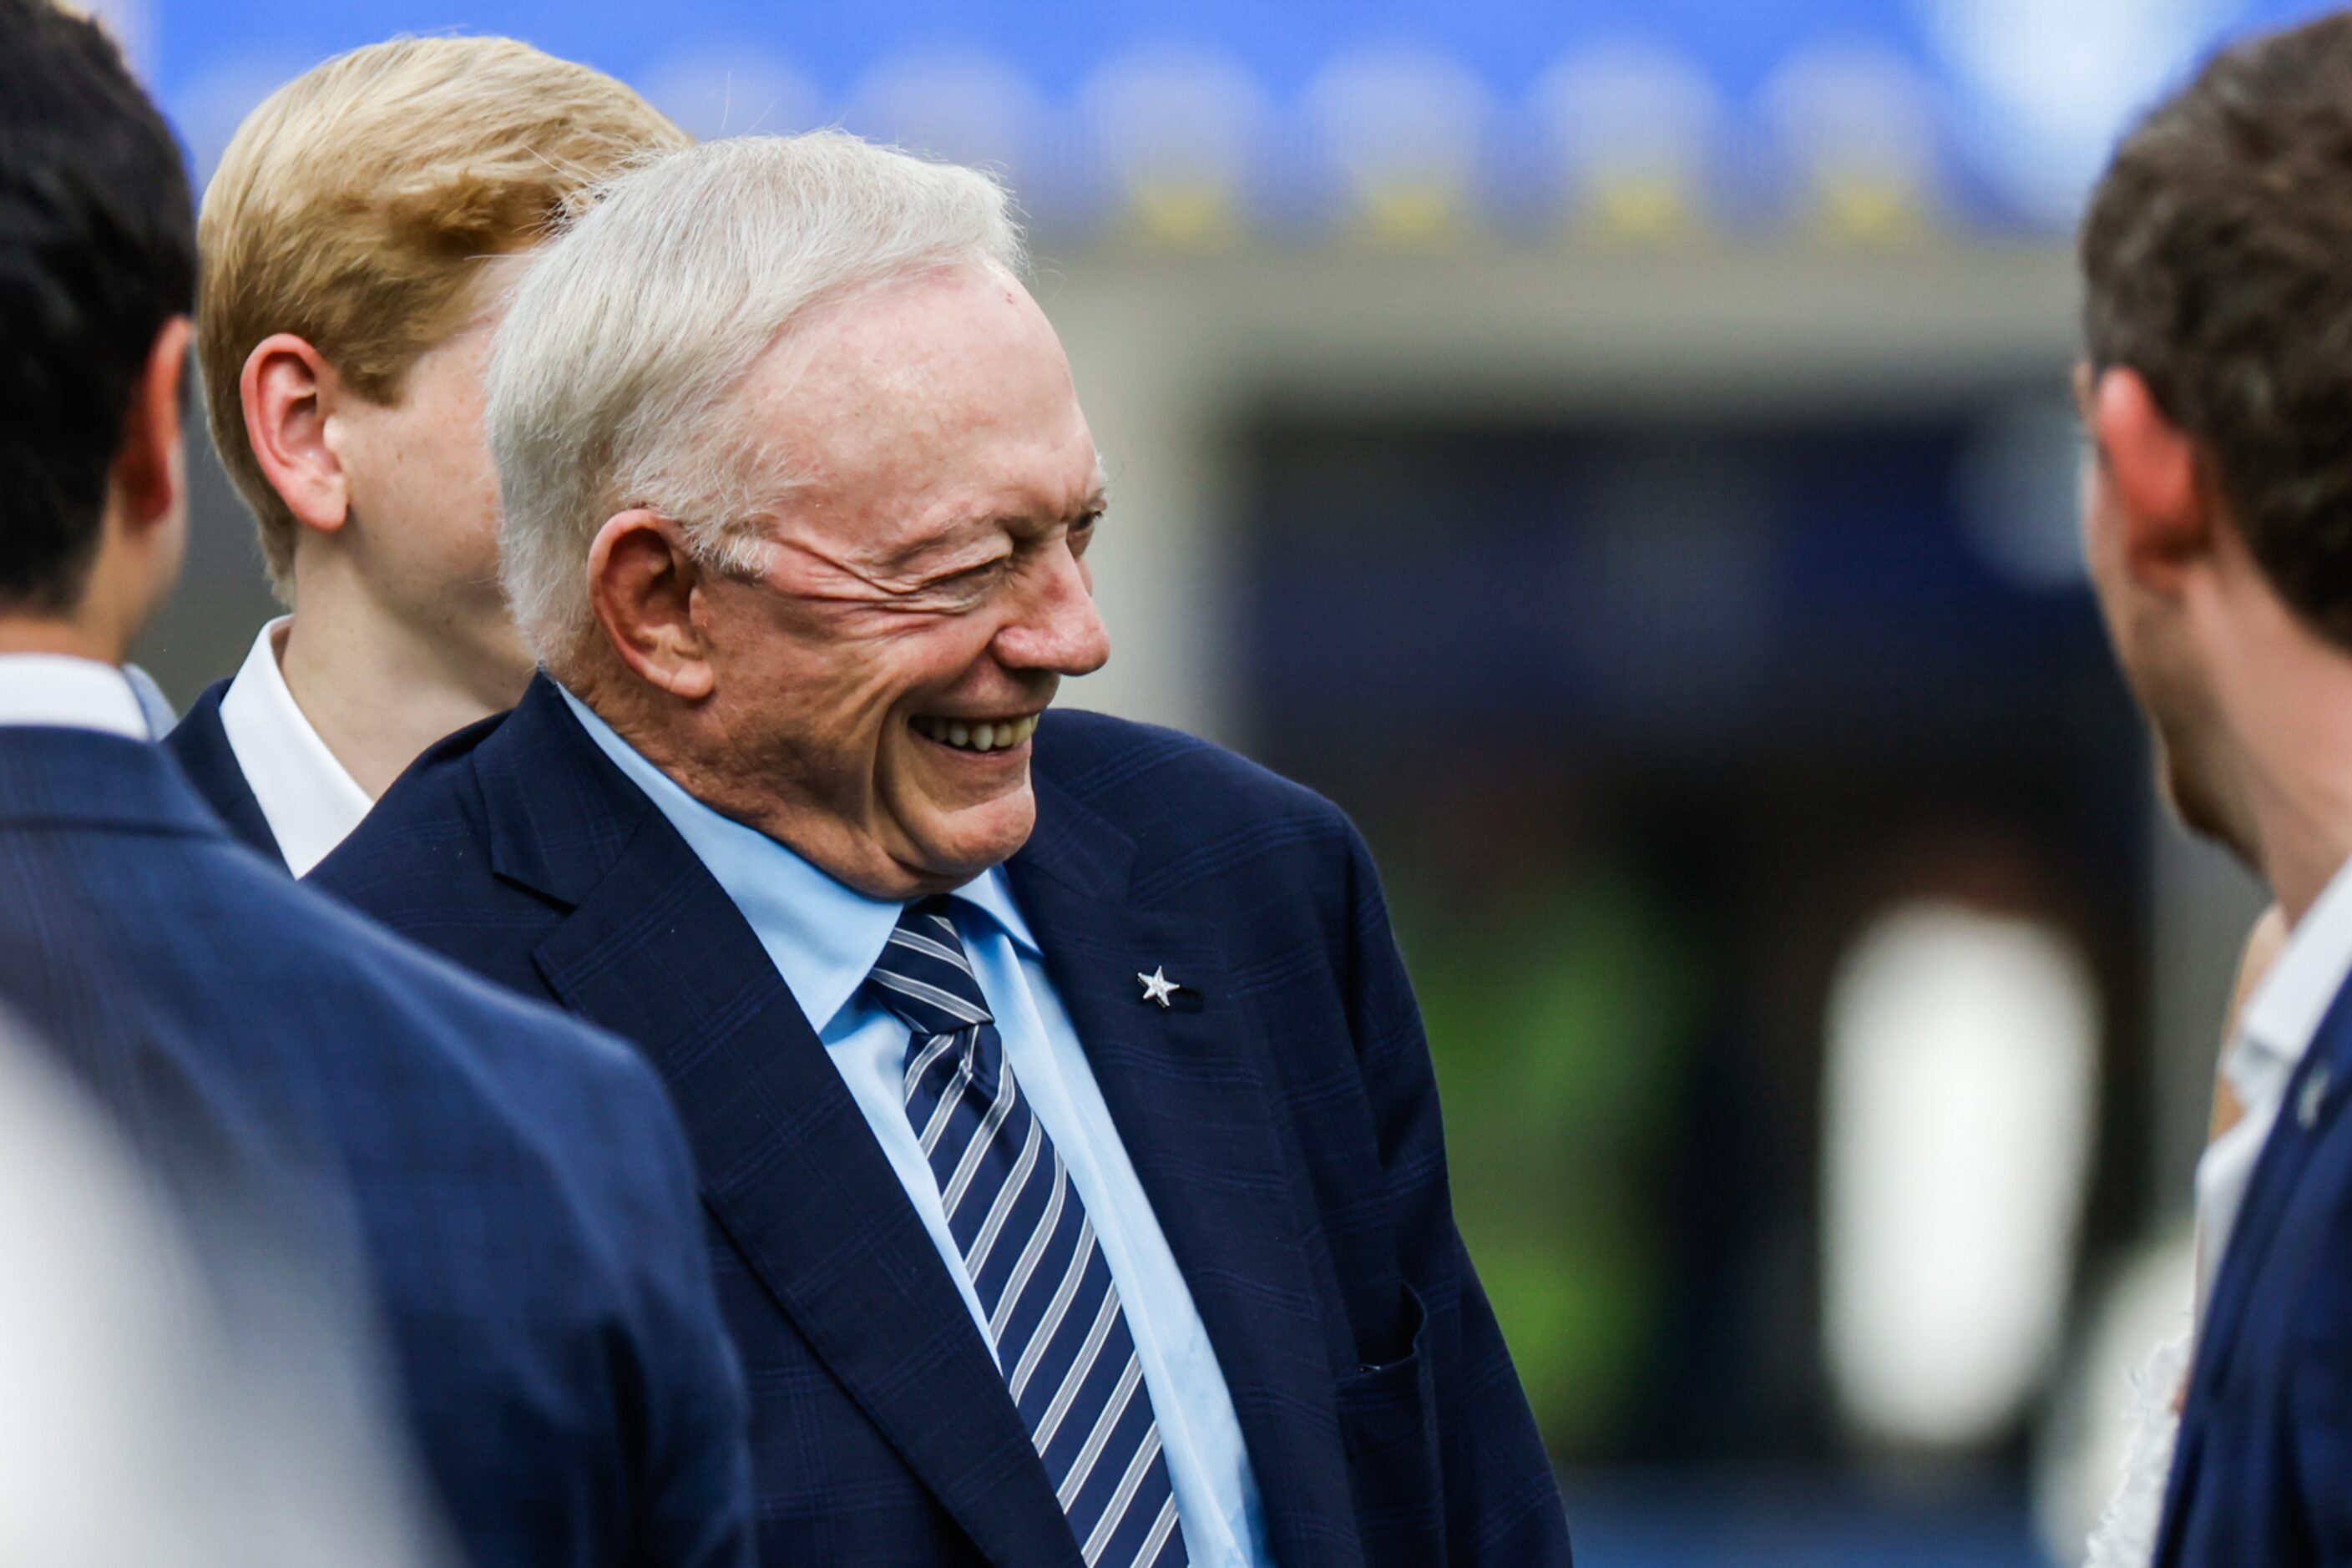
{"type": "Point", "coordinates": [496, 1024]}
{"type": "Point", "coordinates": [430, 822]}
{"type": "Point", "coordinates": [516, 1178]}
{"type": "Point", "coordinates": [278, 1000]}
{"type": "Point", "coordinates": [280, 938]}
{"type": "Point", "coordinates": [1211, 827]}
{"type": "Point", "coordinates": [421, 863]}
{"type": "Point", "coordinates": [1151, 779]}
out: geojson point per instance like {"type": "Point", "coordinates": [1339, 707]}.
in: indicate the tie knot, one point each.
{"type": "Point", "coordinates": [924, 975]}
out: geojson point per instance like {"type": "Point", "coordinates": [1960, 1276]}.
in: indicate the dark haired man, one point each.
{"type": "Point", "coordinates": [515, 1184]}
{"type": "Point", "coordinates": [2217, 386]}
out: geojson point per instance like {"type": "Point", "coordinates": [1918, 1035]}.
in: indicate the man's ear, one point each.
{"type": "Point", "coordinates": [150, 476]}
{"type": "Point", "coordinates": [288, 391]}
{"type": "Point", "coordinates": [2168, 510]}
{"type": "Point", "coordinates": [642, 581]}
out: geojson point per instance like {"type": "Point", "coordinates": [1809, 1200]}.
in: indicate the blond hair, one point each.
{"type": "Point", "coordinates": [609, 372]}
{"type": "Point", "coordinates": [356, 206]}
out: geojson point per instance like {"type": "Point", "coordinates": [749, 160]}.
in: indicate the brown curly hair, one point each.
{"type": "Point", "coordinates": [2217, 262]}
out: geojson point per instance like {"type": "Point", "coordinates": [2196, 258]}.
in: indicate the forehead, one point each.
{"type": "Point", "coordinates": [474, 313]}
{"type": "Point", "coordinates": [933, 398]}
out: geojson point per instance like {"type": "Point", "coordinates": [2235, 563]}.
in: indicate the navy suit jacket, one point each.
{"type": "Point", "coordinates": [199, 742]}
{"type": "Point", "coordinates": [1286, 1128]}
{"type": "Point", "coordinates": [517, 1190]}
{"type": "Point", "coordinates": [2262, 1473]}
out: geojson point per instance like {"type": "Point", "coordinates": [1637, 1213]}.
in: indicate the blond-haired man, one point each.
{"type": "Point", "coordinates": [358, 240]}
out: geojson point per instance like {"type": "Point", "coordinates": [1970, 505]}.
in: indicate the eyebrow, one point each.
{"type": "Point", "coordinates": [1098, 499]}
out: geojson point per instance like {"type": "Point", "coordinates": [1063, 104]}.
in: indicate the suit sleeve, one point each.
{"type": "Point", "coordinates": [691, 1457]}
{"type": "Point", "coordinates": [1502, 1501]}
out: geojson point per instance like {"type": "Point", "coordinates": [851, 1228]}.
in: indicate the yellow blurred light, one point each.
{"type": "Point", "coordinates": [1643, 210]}
{"type": "Point", "coordinates": [1867, 209]}
{"type": "Point", "coordinates": [1188, 214]}
{"type": "Point", "coordinates": [1409, 212]}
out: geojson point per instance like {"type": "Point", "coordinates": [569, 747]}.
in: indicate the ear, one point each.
{"type": "Point", "coordinates": [290, 392]}
{"type": "Point", "coordinates": [2167, 514]}
{"type": "Point", "coordinates": [149, 474]}
{"type": "Point", "coordinates": [642, 582]}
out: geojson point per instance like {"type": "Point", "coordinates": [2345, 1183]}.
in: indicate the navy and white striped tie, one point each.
{"type": "Point", "coordinates": [1062, 1339]}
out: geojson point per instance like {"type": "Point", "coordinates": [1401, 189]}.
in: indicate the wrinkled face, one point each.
{"type": "Point", "coordinates": [2158, 664]}
{"type": "Point", "coordinates": [425, 498]}
{"type": "Point", "coordinates": [876, 690]}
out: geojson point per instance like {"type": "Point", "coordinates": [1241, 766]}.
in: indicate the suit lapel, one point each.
{"type": "Point", "coordinates": [656, 952]}
{"type": "Point", "coordinates": [200, 744]}
{"type": "Point", "coordinates": [1188, 1087]}
{"type": "Point", "coordinates": [2270, 1188]}
{"type": "Point", "coordinates": [2269, 1192]}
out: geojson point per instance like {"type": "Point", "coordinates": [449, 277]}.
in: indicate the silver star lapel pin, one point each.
{"type": "Point", "coordinates": [2315, 1094]}
{"type": "Point", "coordinates": [1158, 987]}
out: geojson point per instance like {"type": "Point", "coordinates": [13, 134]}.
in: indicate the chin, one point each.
{"type": "Point", "coordinates": [969, 842]}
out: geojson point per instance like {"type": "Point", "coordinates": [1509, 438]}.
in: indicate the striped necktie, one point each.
{"type": "Point", "coordinates": [1062, 1339]}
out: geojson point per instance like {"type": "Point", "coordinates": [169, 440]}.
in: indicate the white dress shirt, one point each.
{"type": "Point", "coordinates": [309, 800]}
{"type": "Point", "coordinates": [59, 690]}
{"type": "Point", "coordinates": [824, 939]}
{"type": "Point", "coordinates": [2274, 1031]}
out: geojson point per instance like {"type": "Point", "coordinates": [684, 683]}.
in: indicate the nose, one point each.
{"type": "Point", "coordinates": [1055, 626]}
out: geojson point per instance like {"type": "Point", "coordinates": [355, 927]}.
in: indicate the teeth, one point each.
{"type": "Point", "coordinates": [993, 735]}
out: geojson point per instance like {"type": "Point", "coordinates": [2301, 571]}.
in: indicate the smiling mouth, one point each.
{"type": "Point", "coordinates": [975, 735]}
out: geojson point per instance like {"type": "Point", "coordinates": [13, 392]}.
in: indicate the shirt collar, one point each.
{"type": "Point", "coordinates": [306, 794]}
{"type": "Point", "coordinates": [61, 691]}
{"type": "Point", "coordinates": [823, 935]}
{"type": "Point", "coordinates": [2286, 1009]}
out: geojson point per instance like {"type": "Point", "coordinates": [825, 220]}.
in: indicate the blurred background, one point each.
{"type": "Point", "coordinates": [1620, 451]}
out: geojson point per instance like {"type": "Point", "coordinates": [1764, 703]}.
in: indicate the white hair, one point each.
{"type": "Point", "coordinates": [638, 322]}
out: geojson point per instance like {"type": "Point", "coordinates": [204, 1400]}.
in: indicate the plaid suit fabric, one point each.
{"type": "Point", "coordinates": [1286, 1132]}
{"type": "Point", "coordinates": [517, 1190]}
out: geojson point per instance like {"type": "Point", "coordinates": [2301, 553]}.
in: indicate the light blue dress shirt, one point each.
{"type": "Point", "coordinates": [824, 938]}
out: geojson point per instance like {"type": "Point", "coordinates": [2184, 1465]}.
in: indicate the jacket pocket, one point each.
{"type": "Point", "coordinates": [1388, 1422]}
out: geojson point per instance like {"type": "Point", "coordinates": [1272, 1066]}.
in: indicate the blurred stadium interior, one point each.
{"type": "Point", "coordinates": [1621, 453]}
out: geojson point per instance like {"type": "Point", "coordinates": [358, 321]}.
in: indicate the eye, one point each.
{"type": "Point", "coordinates": [973, 576]}
{"type": "Point", "coordinates": [1082, 531]}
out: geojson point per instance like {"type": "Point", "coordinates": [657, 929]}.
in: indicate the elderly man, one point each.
{"type": "Point", "coordinates": [1059, 1096]}
{"type": "Point", "coordinates": [2217, 256]}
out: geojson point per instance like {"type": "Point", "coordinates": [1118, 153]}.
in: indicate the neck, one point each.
{"type": "Point", "coordinates": [108, 611]}
{"type": "Point", "coordinates": [2288, 693]}
{"type": "Point", "coordinates": [25, 634]}
{"type": "Point", "coordinates": [2306, 841]}
{"type": "Point", "coordinates": [761, 790]}
{"type": "Point", "coordinates": [378, 690]}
